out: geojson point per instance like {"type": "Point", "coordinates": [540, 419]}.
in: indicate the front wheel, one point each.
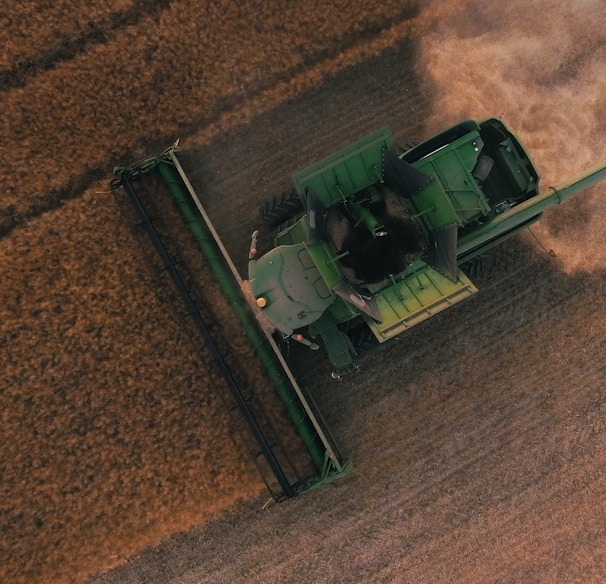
{"type": "Point", "coordinates": [474, 267]}
{"type": "Point", "coordinates": [362, 338]}
{"type": "Point", "coordinates": [277, 210]}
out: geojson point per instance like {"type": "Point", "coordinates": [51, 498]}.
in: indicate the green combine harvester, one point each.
{"type": "Point", "coordinates": [368, 243]}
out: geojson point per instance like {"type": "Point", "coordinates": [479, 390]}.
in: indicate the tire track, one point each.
{"type": "Point", "coordinates": [507, 520]}
{"type": "Point", "coordinates": [505, 416]}
{"type": "Point", "coordinates": [67, 48]}
{"type": "Point", "coordinates": [29, 27]}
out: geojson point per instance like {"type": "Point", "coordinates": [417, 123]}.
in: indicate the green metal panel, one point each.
{"type": "Point", "coordinates": [418, 296]}
{"type": "Point", "coordinates": [291, 285]}
{"type": "Point", "coordinates": [347, 171]}
{"type": "Point", "coordinates": [343, 311]}
{"type": "Point", "coordinates": [434, 207]}
{"type": "Point", "coordinates": [454, 196]}
{"type": "Point", "coordinates": [326, 264]}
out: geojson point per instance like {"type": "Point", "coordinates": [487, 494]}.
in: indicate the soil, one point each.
{"type": "Point", "coordinates": [477, 438]}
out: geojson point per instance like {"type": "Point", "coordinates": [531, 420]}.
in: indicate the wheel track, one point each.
{"type": "Point", "coordinates": [469, 463]}
{"type": "Point", "coordinates": [561, 485]}
{"type": "Point", "coordinates": [494, 414]}
{"type": "Point", "coordinates": [68, 47]}
{"type": "Point", "coordinates": [491, 561]}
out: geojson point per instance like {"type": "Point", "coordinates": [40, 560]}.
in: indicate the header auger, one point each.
{"type": "Point", "coordinates": [281, 475]}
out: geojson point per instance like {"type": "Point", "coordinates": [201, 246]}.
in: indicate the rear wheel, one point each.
{"type": "Point", "coordinates": [474, 267]}
{"type": "Point", "coordinates": [277, 210]}
{"type": "Point", "coordinates": [362, 338]}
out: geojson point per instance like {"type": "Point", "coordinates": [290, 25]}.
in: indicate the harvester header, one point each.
{"type": "Point", "coordinates": [276, 466]}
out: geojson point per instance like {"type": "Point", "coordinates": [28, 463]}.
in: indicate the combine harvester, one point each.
{"type": "Point", "coordinates": [367, 244]}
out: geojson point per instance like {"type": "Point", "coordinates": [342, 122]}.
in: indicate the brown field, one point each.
{"type": "Point", "coordinates": [478, 439]}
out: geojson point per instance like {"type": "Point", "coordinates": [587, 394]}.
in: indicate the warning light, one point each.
{"type": "Point", "coordinates": [261, 302]}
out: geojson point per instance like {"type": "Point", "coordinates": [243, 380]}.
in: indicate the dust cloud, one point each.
{"type": "Point", "coordinates": [541, 67]}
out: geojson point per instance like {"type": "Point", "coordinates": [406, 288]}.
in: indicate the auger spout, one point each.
{"type": "Point", "coordinates": [524, 214]}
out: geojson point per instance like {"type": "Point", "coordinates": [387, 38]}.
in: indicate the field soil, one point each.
{"type": "Point", "coordinates": [477, 438]}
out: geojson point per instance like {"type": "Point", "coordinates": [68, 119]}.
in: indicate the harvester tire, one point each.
{"type": "Point", "coordinates": [288, 223]}
{"type": "Point", "coordinates": [362, 339]}
{"type": "Point", "coordinates": [474, 267]}
{"type": "Point", "coordinates": [277, 210]}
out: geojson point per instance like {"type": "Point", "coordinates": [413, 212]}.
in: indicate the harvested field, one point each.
{"type": "Point", "coordinates": [478, 438]}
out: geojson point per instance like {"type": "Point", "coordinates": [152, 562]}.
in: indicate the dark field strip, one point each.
{"type": "Point", "coordinates": [31, 27]}
{"type": "Point", "coordinates": [11, 218]}
{"type": "Point", "coordinates": [128, 97]}
{"type": "Point", "coordinates": [63, 46]}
